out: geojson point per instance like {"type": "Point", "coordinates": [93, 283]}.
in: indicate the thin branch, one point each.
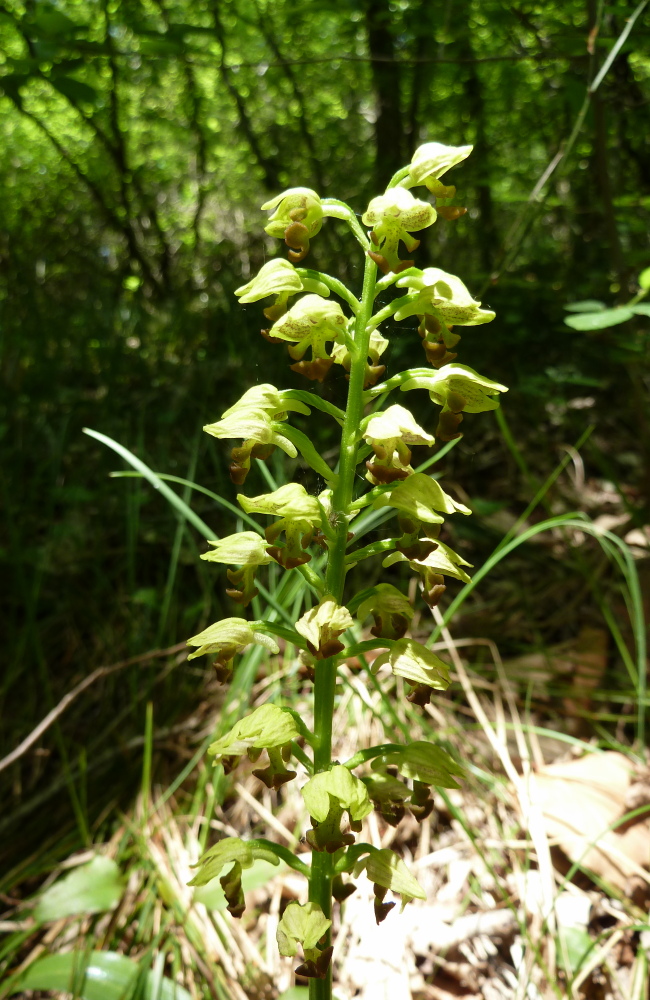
{"type": "Point", "coordinates": [267, 164]}
{"type": "Point", "coordinates": [68, 698]}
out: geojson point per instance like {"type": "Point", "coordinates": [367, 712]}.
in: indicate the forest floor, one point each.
{"type": "Point", "coordinates": [537, 883]}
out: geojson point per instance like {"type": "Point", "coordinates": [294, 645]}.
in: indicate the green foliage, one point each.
{"type": "Point", "coordinates": [98, 975]}
{"type": "Point", "coordinates": [91, 888]}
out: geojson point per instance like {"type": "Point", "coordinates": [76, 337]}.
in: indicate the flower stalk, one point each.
{"type": "Point", "coordinates": [306, 319]}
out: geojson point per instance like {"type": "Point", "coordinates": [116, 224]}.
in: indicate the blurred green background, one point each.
{"type": "Point", "coordinates": [138, 140]}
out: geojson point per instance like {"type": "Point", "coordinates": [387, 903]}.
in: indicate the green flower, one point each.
{"type": "Point", "coordinates": [241, 854]}
{"type": "Point", "coordinates": [376, 347]}
{"type": "Point", "coordinates": [327, 796]}
{"type": "Point", "coordinates": [456, 388]}
{"type": "Point", "coordinates": [388, 796]}
{"type": "Point", "coordinates": [390, 609]}
{"type": "Point", "coordinates": [304, 926]}
{"type": "Point", "coordinates": [432, 565]}
{"type": "Point", "coordinates": [442, 295]}
{"type": "Point", "coordinates": [321, 627]}
{"type": "Point", "coordinates": [441, 301]}
{"type": "Point", "coordinates": [246, 549]}
{"type": "Point", "coordinates": [312, 323]}
{"type": "Point", "coordinates": [267, 728]}
{"type": "Point", "coordinates": [280, 278]}
{"type": "Point", "coordinates": [424, 762]}
{"type": "Point", "coordinates": [388, 871]}
{"type": "Point", "coordinates": [393, 216]}
{"type": "Point", "coordinates": [300, 515]}
{"type": "Point", "coordinates": [389, 433]}
{"type": "Point", "coordinates": [226, 638]}
{"type": "Point", "coordinates": [418, 665]}
{"type": "Point", "coordinates": [256, 418]}
{"type": "Point", "coordinates": [298, 216]}
{"type": "Point", "coordinates": [430, 162]}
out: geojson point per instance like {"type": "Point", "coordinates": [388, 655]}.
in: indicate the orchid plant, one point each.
{"type": "Point", "coordinates": [320, 333]}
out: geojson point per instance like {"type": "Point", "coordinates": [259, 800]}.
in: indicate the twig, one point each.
{"type": "Point", "coordinates": [68, 698]}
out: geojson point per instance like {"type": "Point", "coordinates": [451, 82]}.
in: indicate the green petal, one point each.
{"type": "Point", "coordinates": [268, 726]}
{"type": "Point", "coordinates": [348, 790]}
{"type": "Point", "coordinates": [301, 925]}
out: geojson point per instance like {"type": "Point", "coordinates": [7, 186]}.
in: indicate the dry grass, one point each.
{"type": "Point", "coordinates": [500, 920]}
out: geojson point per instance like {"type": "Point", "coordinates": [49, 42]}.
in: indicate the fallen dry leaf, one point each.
{"type": "Point", "coordinates": [581, 800]}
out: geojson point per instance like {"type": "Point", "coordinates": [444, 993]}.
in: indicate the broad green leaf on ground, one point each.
{"type": "Point", "coordinates": [100, 975]}
{"type": "Point", "coordinates": [91, 888]}
{"type": "Point", "coordinates": [586, 306]}
{"type": "Point", "coordinates": [599, 320]}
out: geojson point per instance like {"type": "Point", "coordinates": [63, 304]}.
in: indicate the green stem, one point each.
{"type": "Point", "coordinates": [333, 284]}
{"type": "Point", "coordinates": [320, 882]}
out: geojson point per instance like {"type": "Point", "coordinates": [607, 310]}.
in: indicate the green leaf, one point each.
{"type": "Point", "coordinates": [574, 947]}
{"type": "Point", "coordinates": [644, 279]}
{"type": "Point", "coordinates": [600, 320]}
{"type": "Point", "coordinates": [295, 993]}
{"type": "Point", "coordinates": [91, 888]}
{"type": "Point", "coordinates": [643, 309]}
{"type": "Point", "coordinates": [75, 90]}
{"type": "Point", "coordinates": [585, 306]}
{"type": "Point", "coordinates": [101, 975]}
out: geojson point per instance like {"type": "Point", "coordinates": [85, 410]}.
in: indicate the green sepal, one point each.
{"type": "Point", "coordinates": [274, 278]}
{"type": "Point", "coordinates": [267, 726]}
{"type": "Point", "coordinates": [443, 560]}
{"type": "Point", "coordinates": [424, 762]}
{"type": "Point", "coordinates": [227, 851]}
{"type": "Point", "coordinates": [233, 891]}
{"type": "Point", "coordinates": [436, 292]}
